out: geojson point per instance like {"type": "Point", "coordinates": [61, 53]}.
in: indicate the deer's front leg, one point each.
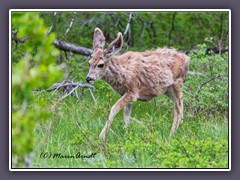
{"type": "Point", "coordinates": [122, 102]}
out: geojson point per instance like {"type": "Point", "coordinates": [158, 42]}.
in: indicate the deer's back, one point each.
{"type": "Point", "coordinates": [150, 73]}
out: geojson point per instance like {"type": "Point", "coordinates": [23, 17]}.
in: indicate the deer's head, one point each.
{"type": "Point", "coordinates": [100, 57]}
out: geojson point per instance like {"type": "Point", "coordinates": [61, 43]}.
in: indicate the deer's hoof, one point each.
{"type": "Point", "coordinates": [102, 136]}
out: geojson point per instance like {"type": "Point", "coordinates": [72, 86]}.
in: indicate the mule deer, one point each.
{"type": "Point", "coordinates": [138, 76]}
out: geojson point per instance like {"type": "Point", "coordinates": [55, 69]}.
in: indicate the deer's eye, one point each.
{"type": "Point", "coordinates": [100, 65]}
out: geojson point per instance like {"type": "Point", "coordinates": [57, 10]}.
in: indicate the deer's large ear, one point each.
{"type": "Point", "coordinates": [98, 39]}
{"type": "Point", "coordinates": [115, 46]}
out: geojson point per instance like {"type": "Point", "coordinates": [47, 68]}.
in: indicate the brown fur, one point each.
{"type": "Point", "coordinates": [139, 76]}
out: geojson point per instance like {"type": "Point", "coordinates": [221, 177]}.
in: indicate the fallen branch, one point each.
{"type": "Point", "coordinates": [57, 86]}
{"type": "Point", "coordinates": [66, 95]}
{"type": "Point", "coordinates": [72, 48]}
{"type": "Point", "coordinates": [69, 88]}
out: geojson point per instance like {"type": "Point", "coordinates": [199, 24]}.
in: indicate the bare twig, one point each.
{"type": "Point", "coordinates": [53, 21]}
{"type": "Point", "coordinates": [95, 101]}
{"type": "Point", "coordinates": [70, 25]}
{"type": "Point", "coordinates": [128, 24]}
{"type": "Point", "coordinates": [196, 74]}
{"type": "Point", "coordinates": [58, 86]}
{"type": "Point", "coordinates": [76, 94]}
{"type": "Point", "coordinates": [200, 87]}
{"type": "Point", "coordinates": [66, 95]}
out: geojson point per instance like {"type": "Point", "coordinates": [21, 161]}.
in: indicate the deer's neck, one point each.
{"type": "Point", "coordinates": [114, 76]}
{"type": "Point", "coordinates": [112, 71]}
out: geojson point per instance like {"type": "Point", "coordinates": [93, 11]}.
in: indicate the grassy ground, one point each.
{"type": "Point", "coordinates": [200, 142]}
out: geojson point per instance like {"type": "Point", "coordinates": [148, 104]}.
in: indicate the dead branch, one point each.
{"type": "Point", "coordinates": [69, 87]}
{"type": "Point", "coordinates": [72, 48]}
{"type": "Point", "coordinates": [72, 84]}
{"type": "Point", "coordinates": [65, 85]}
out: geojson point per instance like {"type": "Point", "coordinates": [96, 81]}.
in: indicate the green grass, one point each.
{"type": "Point", "coordinates": [200, 142]}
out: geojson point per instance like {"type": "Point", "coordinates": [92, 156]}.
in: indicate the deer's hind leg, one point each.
{"type": "Point", "coordinates": [127, 115]}
{"type": "Point", "coordinates": [175, 92]}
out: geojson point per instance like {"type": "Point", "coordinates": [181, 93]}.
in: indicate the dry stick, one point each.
{"type": "Point", "coordinates": [200, 87]}
{"type": "Point", "coordinates": [53, 21]}
{"type": "Point", "coordinates": [57, 88]}
{"type": "Point", "coordinates": [59, 85]}
{"type": "Point", "coordinates": [67, 94]}
{"type": "Point", "coordinates": [128, 24]}
{"type": "Point", "coordinates": [196, 73]}
{"type": "Point", "coordinates": [74, 89]}
{"type": "Point", "coordinates": [95, 101]}
{"type": "Point", "coordinates": [72, 84]}
{"type": "Point", "coordinates": [76, 94]}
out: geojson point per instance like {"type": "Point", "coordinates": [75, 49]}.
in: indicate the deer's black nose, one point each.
{"type": "Point", "coordinates": [88, 79]}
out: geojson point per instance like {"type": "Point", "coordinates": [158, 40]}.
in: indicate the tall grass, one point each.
{"type": "Point", "coordinates": [200, 142]}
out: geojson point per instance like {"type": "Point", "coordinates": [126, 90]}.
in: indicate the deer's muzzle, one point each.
{"type": "Point", "coordinates": [89, 80]}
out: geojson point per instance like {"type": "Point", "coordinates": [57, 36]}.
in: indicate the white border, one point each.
{"type": "Point", "coordinates": [117, 10]}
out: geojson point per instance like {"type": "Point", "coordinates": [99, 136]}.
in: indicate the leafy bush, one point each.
{"type": "Point", "coordinates": [208, 94]}
{"type": "Point", "coordinates": [35, 70]}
